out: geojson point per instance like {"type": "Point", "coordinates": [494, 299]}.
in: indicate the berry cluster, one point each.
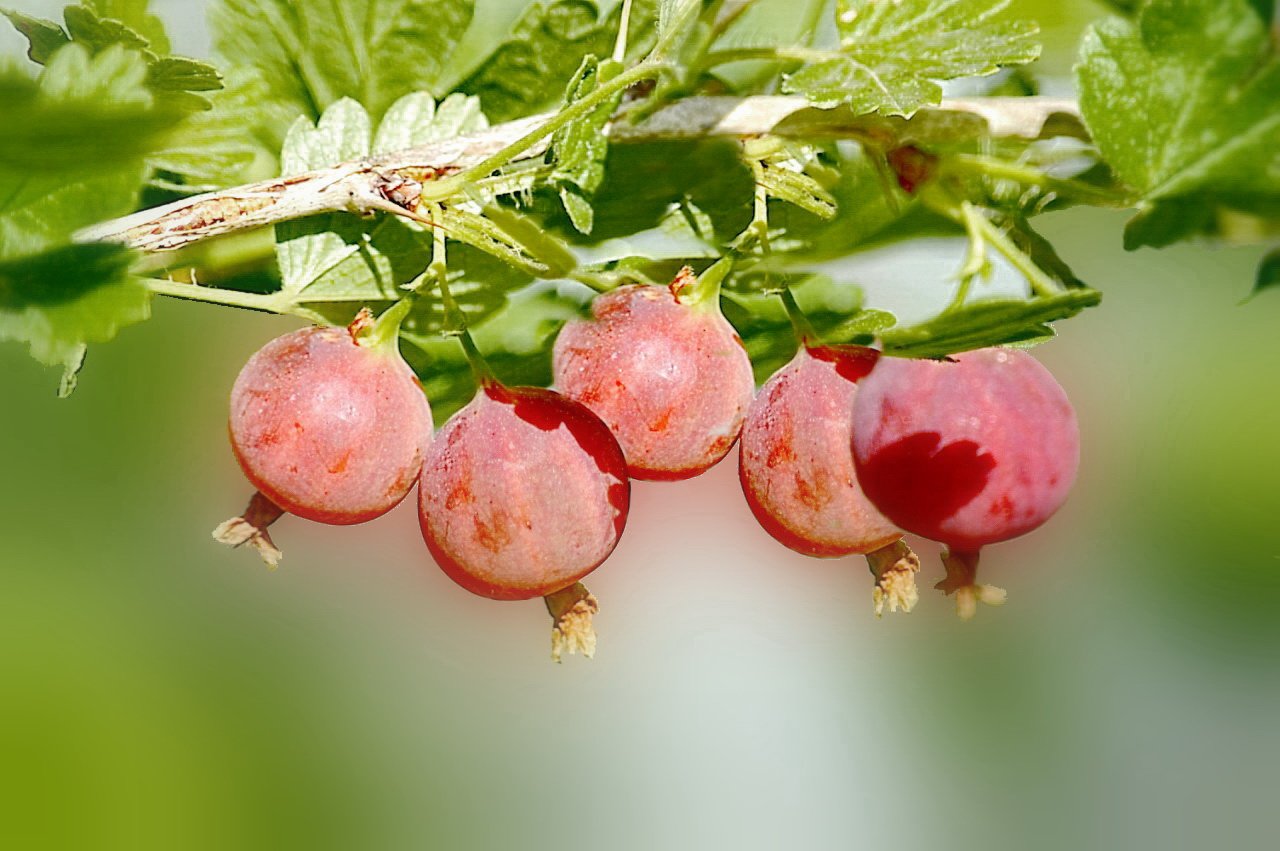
{"type": "Point", "coordinates": [526, 490]}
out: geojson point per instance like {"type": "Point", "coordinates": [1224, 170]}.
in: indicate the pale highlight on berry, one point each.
{"type": "Point", "coordinates": [573, 630]}
{"type": "Point", "coordinates": [962, 581]}
{"type": "Point", "coordinates": [251, 528]}
{"type": "Point", "coordinates": [894, 567]}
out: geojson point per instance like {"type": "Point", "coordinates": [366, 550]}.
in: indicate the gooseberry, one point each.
{"type": "Point", "coordinates": [970, 450]}
{"type": "Point", "coordinates": [664, 370]}
{"type": "Point", "coordinates": [522, 494]}
{"type": "Point", "coordinates": [794, 465]}
{"type": "Point", "coordinates": [328, 424]}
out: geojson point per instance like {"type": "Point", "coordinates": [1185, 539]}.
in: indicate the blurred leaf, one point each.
{"type": "Point", "coordinates": [61, 300]}
{"type": "Point", "coordinates": [1041, 252]}
{"type": "Point", "coordinates": [83, 114]}
{"type": "Point", "coordinates": [1162, 223]}
{"type": "Point", "coordinates": [43, 36]}
{"type": "Point", "coordinates": [88, 25]}
{"type": "Point", "coordinates": [894, 52]}
{"type": "Point", "coordinates": [314, 53]}
{"type": "Point", "coordinates": [214, 144]}
{"type": "Point", "coordinates": [1268, 273]}
{"type": "Point", "coordinates": [1182, 104]}
{"type": "Point", "coordinates": [98, 33]}
{"type": "Point", "coordinates": [1125, 7]}
{"type": "Point", "coordinates": [73, 145]}
{"type": "Point", "coordinates": [579, 149]}
{"type": "Point", "coordinates": [527, 72]}
{"type": "Point", "coordinates": [135, 15]}
{"type": "Point", "coordinates": [211, 148]}
{"type": "Point", "coordinates": [992, 322]}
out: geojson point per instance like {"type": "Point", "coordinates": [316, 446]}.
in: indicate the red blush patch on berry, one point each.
{"type": "Point", "coordinates": [916, 477]}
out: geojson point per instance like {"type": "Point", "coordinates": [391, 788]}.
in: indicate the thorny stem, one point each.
{"type": "Point", "coordinates": [360, 186]}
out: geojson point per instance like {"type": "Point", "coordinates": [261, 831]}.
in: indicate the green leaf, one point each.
{"type": "Point", "coordinates": [62, 300]}
{"type": "Point", "coordinates": [516, 340]}
{"type": "Point", "coordinates": [579, 149]}
{"type": "Point", "coordinates": [79, 136]}
{"type": "Point", "coordinates": [787, 182]}
{"type": "Point", "coordinates": [1164, 222]}
{"type": "Point", "coordinates": [664, 182]}
{"type": "Point", "coordinates": [98, 33]}
{"type": "Point", "coordinates": [834, 309]}
{"type": "Point", "coordinates": [335, 253]}
{"type": "Point", "coordinates": [416, 120]}
{"type": "Point", "coordinates": [1268, 273]}
{"type": "Point", "coordinates": [992, 322]}
{"type": "Point", "coordinates": [43, 37]}
{"type": "Point", "coordinates": [1182, 104]}
{"type": "Point", "coordinates": [135, 15]}
{"type": "Point", "coordinates": [212, 148]}
{"type": "Point", "coordinates": [548, 42]}
{"type": "Point", "coordinates": [175, 77]}
{"type": "Point", "coordinates": [337, 263]}
{"type": "Point", "coordinates": [893, 52]}
{"type": "Point", "coordinates": [179, 74]}
{"type": "Point", "coordinates": [314, 53]}
{"type": "Point", "coordinates": [73, 144]}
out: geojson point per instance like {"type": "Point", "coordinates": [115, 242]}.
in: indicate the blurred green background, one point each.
{"type": "Point", "coordinates": [158, 692]}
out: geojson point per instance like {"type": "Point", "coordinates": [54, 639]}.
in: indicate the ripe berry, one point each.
{"type": "Point", "coordinates": [968, 451]}
{"type": "Point", "coordinates": [794, 465]}
{"type": "Point", "coordinates": [666, 373]}
{"type": "Point", "coordinates": [523, 493]}
{"type": "Point", "coordinates": [328, 424]}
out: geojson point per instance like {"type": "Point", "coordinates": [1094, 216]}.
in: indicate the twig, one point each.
{"type": "Point", "coordinates": [394, 182]}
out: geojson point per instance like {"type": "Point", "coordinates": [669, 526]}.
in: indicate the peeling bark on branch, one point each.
{"type": "Point", "coordinates": [393, 182]}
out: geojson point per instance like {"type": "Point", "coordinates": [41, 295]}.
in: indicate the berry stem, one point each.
{"type": "Point", "coordinates": [895, 567]}
{"type": "Point", "coordinates": [706, 291]}
{"type": "Point", "coordinates": [386, 330]}
{"type": "Point", "coordinates": [251, 528]}
{"type": "Point", "coordinates": [962, 581]}
{"type": "Point", "coordinates": [573, 631]}
{"type": "Point", "coordinates": [805, 334]}
{"type": "Point", "coordinates": [455, 321]}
